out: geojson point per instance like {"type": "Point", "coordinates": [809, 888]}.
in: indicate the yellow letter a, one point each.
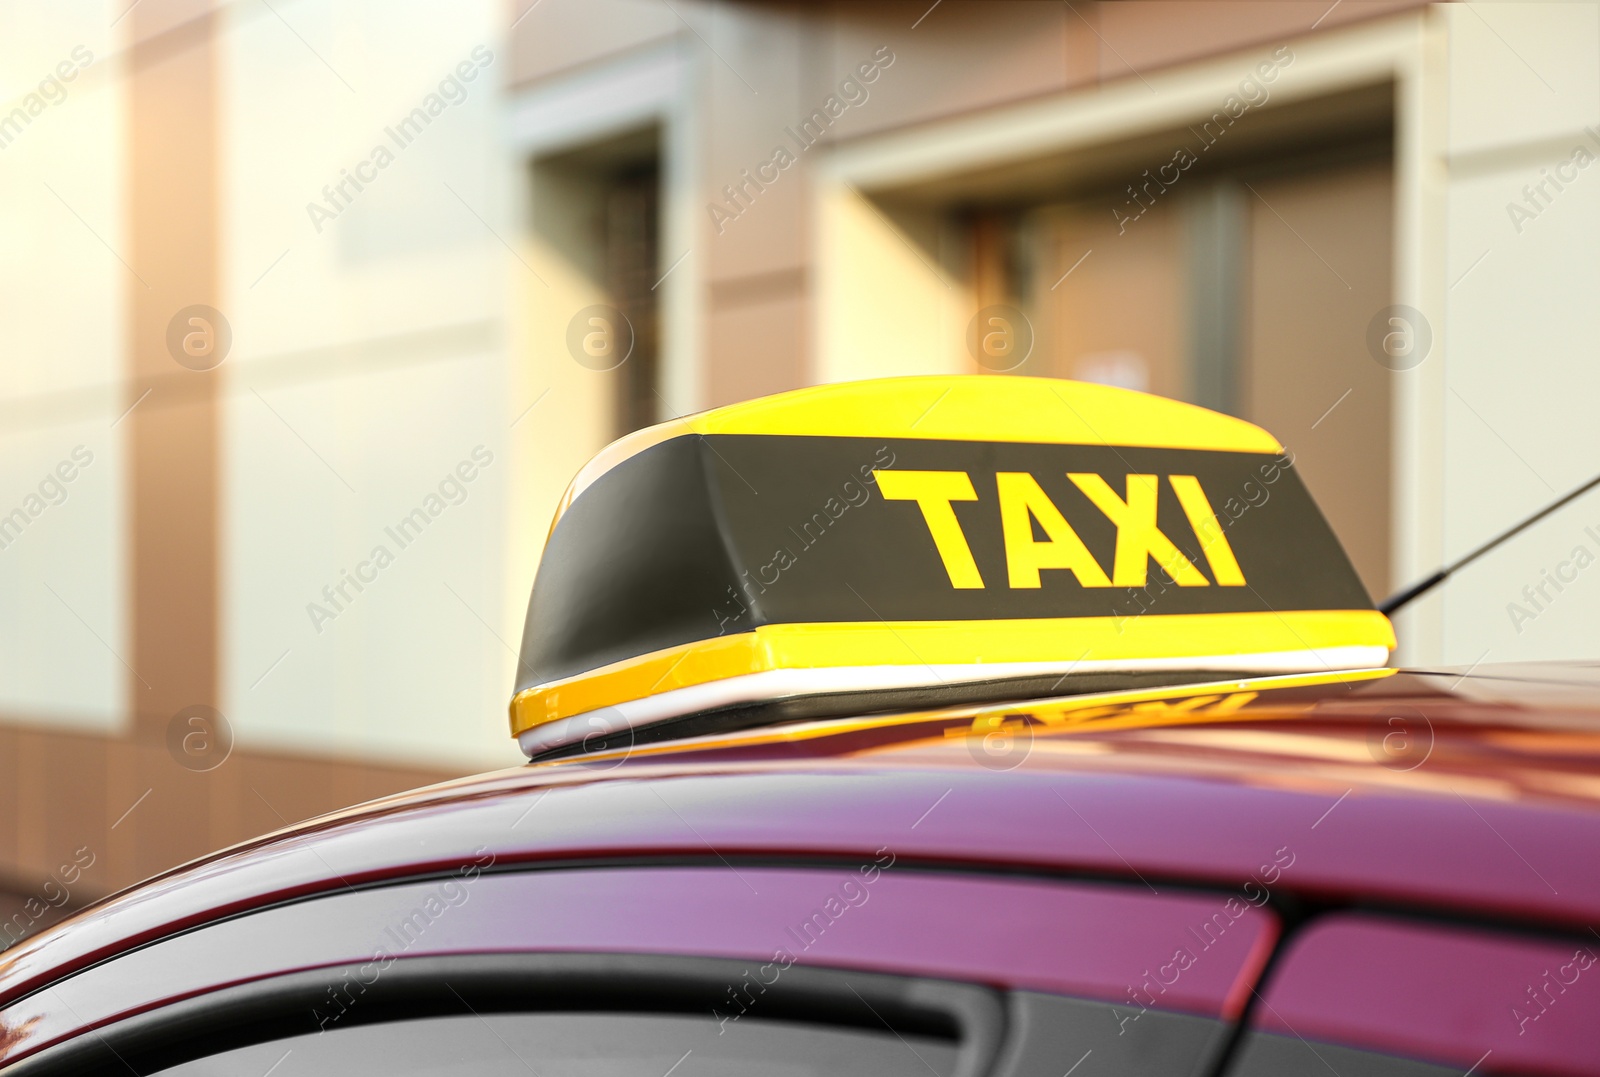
{"type": "Point", "coordinates": [1021, 502]}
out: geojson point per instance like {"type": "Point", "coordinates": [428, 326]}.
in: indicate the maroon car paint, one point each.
{"type": "Point", "coordinates": [1440, 992]}
{"type": "Point", "coordinates": [1292, 795]}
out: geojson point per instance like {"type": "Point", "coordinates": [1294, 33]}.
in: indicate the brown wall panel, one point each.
{"type": "Point", "coordinates": [136, 811]}
{"type": "Point", "coordinates": [1320, 256]}
{"type": "Point", "coordinates": [756, 348]}
{"type": "Point", "coordinates": [172, 436]}
{"type": "Point", "coordinates": [960, 57]}
{"type": "Point", "coordinates": [1122, 308]}
{"type": "Point", "coordinates": [73, 778]}
{"type": "Point", "coordinates": [1141, 37]}
{"type": "Point", "coordinates": [10, 799]}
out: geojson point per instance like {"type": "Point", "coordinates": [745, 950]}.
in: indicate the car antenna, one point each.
{"type": "Point", "coordinates": [1417, 590]}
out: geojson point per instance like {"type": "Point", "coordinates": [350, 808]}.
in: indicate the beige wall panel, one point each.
{"type": "Point", "coordinates": [65, 282]}
{"type": "Point", "coordinates": [561, 412]}
{"type": "Point", "coordinates": [744, 128]}
{"type": "Point", "coordinates": [370, 354]}
{"type": "Point", "coordinates": [63, 304]}
{"type": "Point", "coordinates": [554, 35]}
{"type": "Point", "coordinates": [409, 665]}
{"type": "Point", "coordinates": [1519, 409]}
{"type": "Point", "coordinates": [884, 305]}
{"type": "Point", "coordinates": [1305, 338]}
{"type": "Point", "coordinates": [1520, 73]}
{"type": "Point", "coordinates": [62, 292]}
{"type": "Point", "coordinates": [61, 579]}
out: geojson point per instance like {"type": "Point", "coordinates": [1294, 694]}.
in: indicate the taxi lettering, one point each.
{"type": "Point", "coordinates": [1023, 502]}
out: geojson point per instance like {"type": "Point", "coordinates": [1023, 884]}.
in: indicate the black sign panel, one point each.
{"type": "Point", "coordinates": [702, 536]}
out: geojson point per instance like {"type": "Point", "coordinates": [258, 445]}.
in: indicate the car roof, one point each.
{"type": "Point", "coordinates": [1470, 794]}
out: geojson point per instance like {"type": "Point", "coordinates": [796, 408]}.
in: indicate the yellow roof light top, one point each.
{"type": "Point", "coordinates": [962, 408]}
{"type": "Point", "coordinates": [913, 541]}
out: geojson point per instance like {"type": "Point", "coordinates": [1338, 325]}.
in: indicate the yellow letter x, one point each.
{"type": "Point", "coordinates": [1138, 538]}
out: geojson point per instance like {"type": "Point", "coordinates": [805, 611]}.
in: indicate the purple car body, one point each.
{"type": "Point", "coordinates": [1386, 875]}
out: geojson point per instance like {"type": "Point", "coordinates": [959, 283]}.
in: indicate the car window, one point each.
{"type": "Point", "coordinates": [1189, 952]}
{"type": "Point", "coordinates": [1125, 981]}
{"type": "Point", "coordinates": [1048, 1036]}
{"type": "Point", "coordinates": [585, 1045]}
{"type": "Point", "coordinates": [1374, 996]}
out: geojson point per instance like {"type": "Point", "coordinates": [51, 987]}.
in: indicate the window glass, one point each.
{"type": "Point", "coordinates": [585, 1045]}
{"type": "Point", "coordinates": [1051, 1035]}
{"type": "Point", "coordinates": [1264, 1054]}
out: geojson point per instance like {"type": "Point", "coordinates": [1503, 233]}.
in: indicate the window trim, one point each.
{"type": "Point", "coordinates": [420, 987]}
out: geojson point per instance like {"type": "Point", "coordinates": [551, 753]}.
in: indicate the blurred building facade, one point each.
{"type": "Point", "coordinates": [309, 311]}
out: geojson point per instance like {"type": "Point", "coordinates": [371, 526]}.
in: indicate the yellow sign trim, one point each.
{"type": "Point", "coordinates": [1142, 708]}
{"type": "Point", "coordinates": [941, 643]}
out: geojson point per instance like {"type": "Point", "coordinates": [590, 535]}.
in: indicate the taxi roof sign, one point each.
{"type": "Point", "coordinates": [921, 541]}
